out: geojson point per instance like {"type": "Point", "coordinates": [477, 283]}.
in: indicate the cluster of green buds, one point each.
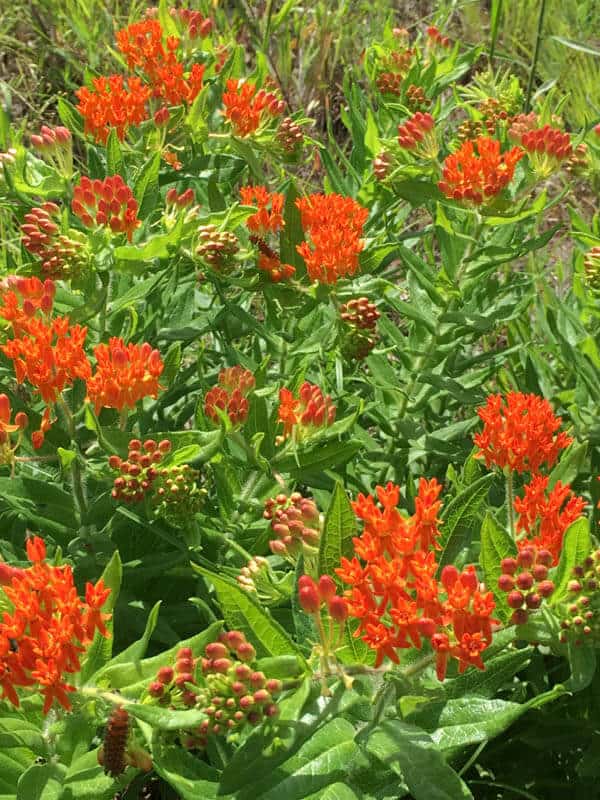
{"type": "Point", "coordinates": [249, 577]}
{"type": "Point", "coordinates": [296, 523]}
{"type": "Point", "coordinates": [591, 266]}
{"type": "Point", "coordinates": [173, 489]}
{"type": "Point", "coordinates": [525, 579]}
{"type": "Point", "coordinates": [393, 69]}
{"type": "Point", "coordinates": [55, 145]}
{"type": "Point", "coordinates": [580, 621]}
{"type": "Point", "coordinates": [359, 334]}
{"type": "Point", "coordinates": [224, 683]}
{"type": "Point", "coordinates": [579, 161]}
{"type": "Point", "coordinates": [217, 248]}
{"type": "Point", "coordinates": [62, 255]}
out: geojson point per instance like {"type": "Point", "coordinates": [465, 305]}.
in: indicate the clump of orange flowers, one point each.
{"type": "Point", "coordinates": [107, 203]}
{"type": "Point", "coordinates": [230, 395]}
{"type": "Point", "coordinates": [394, 590]}
{"type": "Point", "coordinates": [520, 432]}
{"type": "Point", "coordinates": [124, 375]}
{"type": "Point", "coordinates": [47, 628]}
{"type": "Point", "coordinates": [544, 516]}
{"type": "Point", "coordinates": [247, 108]}
{"type": "Point", "coordinates": [334, 226]}
{"type": "Point", "coordinates": [112, 104]}
{"type": "Point", "coordinates": [303, 415]}
{"type": "Point", "coordinates": [268, 220]}
{"type": "Point", "coordinates": [478, 171]}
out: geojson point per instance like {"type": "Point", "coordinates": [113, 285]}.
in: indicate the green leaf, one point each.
{"type": "Point", "coordinates": [172, 362]}
{"type": "Point", "coordinates": [498, 672]}
{"type": "Point", "coordinates": [312, 457]}
{"type": "Point", "coordinates": [114, 156]}
{"type": "Point", "coordinates": [570, 465]}
{"type": "Point", "coordinates": [41, 782]}
{"type": "Point", "coordinates": [17, 732]}
{"type": "Point", "coordinates": [496, 544]}
{"type": "Point", "coordinates": [146, 189]}
{"type": "Point", "coordinates": [314, 763]}
{"type": "Point", "coordinates": [189, 776]}
{"type": "Point", "coordinates": [338, 532]}
{"type": "Point", "coordinates": [582, 48]}
{"type": "Point", "coordinates": [14, 761]}
{"type": "Point", "coordinates": [85, 780]}
{"type": "Point", "coordinates": [582, 660]}
{"type": "Point", "coordinates": [577, 545]}
{"type": "Point", "coordinates": [412, 754]}
{"type": "Point", "coordinates": [131, 676]}
{"type": "Point", "coordinates": [337, 791]}
{"type": "Point", "coordinates": [470, 720]}
{"type": "Point", "coordinates": [461, 517]}
{"type": "Point", "coordinates": [241, 611]}
{"type": "Point", "coordinates": [166, 719]}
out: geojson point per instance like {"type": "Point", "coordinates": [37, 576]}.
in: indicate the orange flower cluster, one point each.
{"type": "Point", "coordinates": [125, 374]}
{"type": "Point", "coordinates": [547, 147]}
{"type": "Point", "coordinates": [334, 225]}
{"type": "Point", "coordinates": [48, 629]}
{"type": "Point", "coordinates": [22, 298]}
{"type": "Point", "coordinates": [435, 37]}
{"type": "Point", "coordinates": [269, 217]}
{"type": "Point", "coordinates": [8, 448]}
{"type": "Point", "coordinates": [267, 220]}
{"type": "Point", "coordinates": [544, 516]}
{"type": "Point", "coordinates": [49, 355]}
{"type": "Point", "coordinates": [112, 104]}
{"type": "Point", "coordinates": [520, 432]}
{"type": "Point", "coordinates": [247, 109]}
{"type": "Point", "coordinates": [394, 589]}
{"type": "Point", "coordinates": [478, 171]}
{"type": "Point", "coordinates": [303, 415]}
{"type": "Point", "coordinates": [108, 203]}
{"type": "Point", "coordinates": [230, 395]}
{"type": "Point", "coordinates": [142, 45]}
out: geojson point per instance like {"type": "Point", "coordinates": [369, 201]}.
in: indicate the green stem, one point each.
{"type": "Point", "coordinates": [76, 474]}
{"type": "Point", "coordinates": [510, 499]}
{"type": "Point", "coordinates": [536, 53]}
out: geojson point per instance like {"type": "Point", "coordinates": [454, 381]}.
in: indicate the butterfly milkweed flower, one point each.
{"type": "Point", "coordinates": [108, 203]}
{"type": "Point", "coordinates": [477, 172]}
{"type": "Point", "coordinates": [50, 356]}
{"type": "Point", "coordinates": [113, 105]}
{"type": "Point", "coordinates": [302, 416]}
{"type": "Point", "coordinates": [544, 516]}
{"type": "Point", "coordinates": [230, 395]}
{"type": "Point", "coordinates": [47, 629]}
{"type": "Point", "coordinates": [418, 136]}
{"type": "Point", "coordinates": [520, 432]}
{"type": "Point", "coordinates": [247, 108]}
{"type": "Point", "coordinates": [269, 217]}
{"type": "Point", "coordinates": [333, 225]}
{"type": "Point", "coordinates": [23, 298]}
{"type": "Point", "coordinates": [547, 148]}
{"type": "Point", "coordinates": [394, 590]}
{"type": "Point", "coordinates": [146, 48]}
{"type": "Point", "coordinates": [124, 375]}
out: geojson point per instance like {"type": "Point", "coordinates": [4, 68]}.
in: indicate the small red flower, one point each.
{"type": "Point", "coordinates": [520, 432]}
{"type": "Point", "coordinates": [478, 171]}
